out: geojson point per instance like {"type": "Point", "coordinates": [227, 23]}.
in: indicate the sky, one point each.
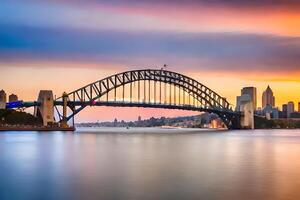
{"type": "Point", "coordinates": [63, 45]}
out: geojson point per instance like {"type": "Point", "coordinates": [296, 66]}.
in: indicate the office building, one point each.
{"type": "Point", "coordinates": [290, 108]}
{"type": "Point", "coordinates": [252, 92]}
{"type": "Point", "coordinates": [284, 111]}
{"type": "Point", "coordinates": [268, 98]}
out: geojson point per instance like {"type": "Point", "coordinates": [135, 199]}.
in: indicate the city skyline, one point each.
{"type": "Point", "coordinates": [243, 46]}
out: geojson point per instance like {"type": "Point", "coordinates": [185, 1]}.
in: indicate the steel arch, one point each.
{"type": "Point", "coordinates": [209, 100]}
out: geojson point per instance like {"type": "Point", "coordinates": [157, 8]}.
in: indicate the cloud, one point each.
{"type": "Point", "coordinates": [194, 51]}
{"type": "Point", "coordinates": [178, 16]}
{"type": "Point", "coordinates": [230, 3]}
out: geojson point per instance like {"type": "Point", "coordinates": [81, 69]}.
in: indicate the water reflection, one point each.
{"type": "Point", "coordinates": [142, 164]}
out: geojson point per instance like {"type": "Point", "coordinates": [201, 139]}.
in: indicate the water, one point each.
{"type": "Point", "coordinates": [139, 164]}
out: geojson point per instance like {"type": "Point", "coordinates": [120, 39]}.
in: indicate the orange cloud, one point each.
{"type": "Point", "coordinates": [275, 20]}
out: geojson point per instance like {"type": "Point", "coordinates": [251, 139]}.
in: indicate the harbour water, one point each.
{"type": "Point", "coordinates": [153, 163]}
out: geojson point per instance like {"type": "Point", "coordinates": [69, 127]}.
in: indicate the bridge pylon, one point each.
{"type": "Point", "coordinates": [247, 117]}
{"type": "Point", "coordinates": [46, 108]}
{"type": "Point", "coordinates": [64, 121]}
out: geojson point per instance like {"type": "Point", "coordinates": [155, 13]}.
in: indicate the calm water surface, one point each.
{"type": "Point", "coordinates": [139, 164]}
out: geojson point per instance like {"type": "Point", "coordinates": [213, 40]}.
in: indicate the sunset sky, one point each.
{"type": "Point", "coordinates": [63, 45]}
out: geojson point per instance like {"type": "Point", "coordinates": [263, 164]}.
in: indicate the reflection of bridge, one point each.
{"type": "Point", "coordinates": [138, 88]}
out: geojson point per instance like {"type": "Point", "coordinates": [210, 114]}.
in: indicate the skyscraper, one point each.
{"type": "Point", "coordinates": [268, 98]}
{"type": "Point", "coordinates": [290, 108]}
{"type": "Point", "coordinates": [284, 111]}
{"type": "Point", "coordinates": [252, 92]}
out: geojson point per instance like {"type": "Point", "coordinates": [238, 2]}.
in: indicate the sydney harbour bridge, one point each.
{"type": "Point", "coordinates": [148, 88]}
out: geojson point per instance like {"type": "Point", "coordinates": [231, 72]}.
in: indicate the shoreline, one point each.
{"type": "Point", "coordinates": [36, 129]}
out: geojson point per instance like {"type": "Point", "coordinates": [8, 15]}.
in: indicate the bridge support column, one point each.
{"type": "Point", "coordinates": [247, 119]}
{"type": "Point", "coordinates": [64, 122]}
{"type": "Point", "coordinates": [46, 109]}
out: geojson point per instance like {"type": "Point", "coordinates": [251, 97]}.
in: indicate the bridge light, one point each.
{"type": "Point", "coordinates": [94, 102]}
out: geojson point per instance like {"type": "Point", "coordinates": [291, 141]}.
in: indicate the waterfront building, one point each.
{"type": "Point", "coordinates": [2, 99]}
{"type": "Point", "coordinates": [270, 112]}
{"type": "Point", "coordinates": [216, 123]}
{"type": "Point", "coordinates": [295, 115]}
{"type": "Point", "coordinates": [267, 111]}
{"type": "Point", "coordinates": [284, 111]}
{"type": "Point", "coordinates": [12, 98]}
{"type": "Point", "coordinates": [139, 121]}
{"type": "Point", "coordinates": [115, 122]}
{"type": "Point", "coordinates": [259, 111]}
{"type": "Point", "coordinates": [275, 113]}
{"type": "Point", "coordinates": [268, 98]}
{"type": "Point", "coordinates": [290, 108]}
{"type": "Point", "coordinates": [252, 92]}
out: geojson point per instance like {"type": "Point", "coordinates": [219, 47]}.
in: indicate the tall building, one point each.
{"type": "Point", "coordinates": [2, 99]}
{"type": "Point", "coordinates": [284, 111]}
{"type": "Point", "coordinates": [290, 108]}
{"type": "Point", "coordinates": [268, 98]}
{"type": "Point", "coordinates": [252, 92]}
{"type": "Point", "coordinates": [12, 98]}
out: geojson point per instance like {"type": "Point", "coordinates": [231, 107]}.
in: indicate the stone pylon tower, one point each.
{"type": "Point", "coordinates": [46, 108]}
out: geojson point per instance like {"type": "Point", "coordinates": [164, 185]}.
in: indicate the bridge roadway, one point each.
{"type": "Point", "coordinates": [146, 105]}
{"type": "Point", "coordinates": [21, 104]}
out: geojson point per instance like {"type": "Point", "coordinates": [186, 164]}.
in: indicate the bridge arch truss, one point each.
{"type": "Point", "coordinates": [149, 88]}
